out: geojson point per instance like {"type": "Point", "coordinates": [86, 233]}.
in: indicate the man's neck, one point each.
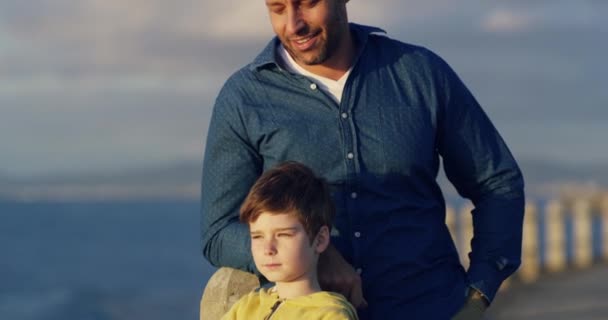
{"type": "Point", "coordinates": [338, 64]}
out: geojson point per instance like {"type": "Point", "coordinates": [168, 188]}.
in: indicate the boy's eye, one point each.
{"type": "Point", "coordinates": [285, 235]}
{"type": "Point", "coordinates": [256, 236]}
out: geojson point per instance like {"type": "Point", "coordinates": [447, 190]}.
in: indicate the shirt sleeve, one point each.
{"type": "Point", "coordinates": [231, 314]}
{"type": "Point", "coordinates": [230, 167]}
{"type": "Point", "coordinates": [480, 166]}
{"type": "Point", "coordinates": [340, 309]}
{"type": "Point", "coordinates": [336, 314]}
{"type": "Point", "coordinates": [235, 311]}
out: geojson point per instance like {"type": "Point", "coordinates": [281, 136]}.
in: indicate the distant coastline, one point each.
{"type": "Point", "coordinates": [181, 181]}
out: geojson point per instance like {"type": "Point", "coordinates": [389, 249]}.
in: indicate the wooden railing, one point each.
{"type": "Point", "coordinates": [567, 233]}
{"type": "Point", "coordinates": [564, 234]}
{"type": "Point", "coordinates": [223, 289]}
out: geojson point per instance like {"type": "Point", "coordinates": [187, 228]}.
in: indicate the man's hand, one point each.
{"type": "Point", "coordinates": [337, 275]}
{"type": "Point", "coordinates": [474, 307]}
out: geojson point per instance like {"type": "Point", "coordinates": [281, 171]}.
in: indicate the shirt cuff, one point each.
{"type": "Point", "coordinates": [471, 290]}
{"type": "Point", "coordinates": [486, 279]}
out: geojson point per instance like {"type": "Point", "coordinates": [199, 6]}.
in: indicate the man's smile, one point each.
{"type": "Point", "coordinates": [305, 43]}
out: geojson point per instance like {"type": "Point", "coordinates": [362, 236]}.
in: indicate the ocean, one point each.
{"type": "Point", "coordinates": [98, 261]}
{"type": "Point", "coordinates": [121, 260]}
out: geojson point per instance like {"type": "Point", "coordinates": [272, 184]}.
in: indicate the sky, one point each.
{"type": "Point", "coordinates": [96, 85]}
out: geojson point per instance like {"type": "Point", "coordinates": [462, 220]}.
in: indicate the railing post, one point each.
{"type": "Point", "coordinates": [450, 222]}
{"type": "Point", "coordinates": [530, 267]}
{"type": "Point", "coordinates": [583, 246]}
{"type": "Point", "coordinates": [554, 237]}
{"type": "Point", "coordinates": [604, 218]}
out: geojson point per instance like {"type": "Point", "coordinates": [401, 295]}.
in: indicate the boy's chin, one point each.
{"type": "Point", "coordinates": [273, 278]}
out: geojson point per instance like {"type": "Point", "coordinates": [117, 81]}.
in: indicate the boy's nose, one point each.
{"type": "Point", "coordinates": [270, 248]}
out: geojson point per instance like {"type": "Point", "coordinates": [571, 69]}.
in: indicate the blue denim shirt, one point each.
{"type": "Point", "coordinates": [403, 110]}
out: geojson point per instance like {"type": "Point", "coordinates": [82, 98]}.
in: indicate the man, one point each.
{"type": "Point", "coordinates": [373, 116]}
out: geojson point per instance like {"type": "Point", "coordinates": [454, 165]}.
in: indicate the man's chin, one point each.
{"type": "Point", "coordinates": [306, 58]}
{"type": "Point", "coordinates": [310, 61]}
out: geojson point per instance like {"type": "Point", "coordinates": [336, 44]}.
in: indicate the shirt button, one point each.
{"type": "Point", "coordinates": [344, 115]}
{"type": "Point", "coordinates": [313, 86]}
{"type": "Point", "coordinates": [359, 270]}
{"type": "Point", "coordinates": [354, 195]}
{"type": "Point", "coordinates": [357, 234]}
{"type": "Point", "coordinates": [350, 155]}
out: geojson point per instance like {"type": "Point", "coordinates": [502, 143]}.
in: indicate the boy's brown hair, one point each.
{"type": "Point", "coordinates": [291, 187]}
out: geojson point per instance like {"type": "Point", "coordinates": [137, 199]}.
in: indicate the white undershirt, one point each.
{"type": "Point", "coordinates": [333, 87]}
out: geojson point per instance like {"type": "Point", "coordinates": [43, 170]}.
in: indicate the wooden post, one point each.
{"type": "Point", "coordinates": [530, 264]}
{"type": "Point", "coordinates": [604, 217]}
{"type": "Point", "coordinates": [225, 287]}
{"type": "Point", "coordinates": [583, 242]}
{"type": "Point", "coordinates": [450, 221]}
{"type": "Point", "coordinates": [466, 234]}
{"type": "Point", "coordinates": [554, 237]}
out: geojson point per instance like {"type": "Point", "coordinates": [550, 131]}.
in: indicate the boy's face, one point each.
{"type": "Point", "coordinates": [281, 248]}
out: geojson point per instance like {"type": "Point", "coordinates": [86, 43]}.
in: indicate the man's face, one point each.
{"type": "Point", "coordinates": [310, 30]}
{"type": "Point", "coordinates": [281, 248]}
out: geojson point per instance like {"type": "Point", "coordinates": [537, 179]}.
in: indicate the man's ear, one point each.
{"type": "Point", "coordinates": [321, 240]}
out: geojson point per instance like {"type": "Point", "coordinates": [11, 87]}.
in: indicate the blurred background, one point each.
{"type": "Point", "coordinates": [104, 109]}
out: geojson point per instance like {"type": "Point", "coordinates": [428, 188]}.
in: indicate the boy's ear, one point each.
{"type": "Point", "coordinates": [322, 239]}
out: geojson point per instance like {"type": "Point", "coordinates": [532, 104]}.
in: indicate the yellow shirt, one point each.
{"type": "Point", "coordinates": [266, 305]}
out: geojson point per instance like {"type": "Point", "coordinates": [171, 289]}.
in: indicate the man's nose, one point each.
{"type": "Point", "coordinates": [295, 23]}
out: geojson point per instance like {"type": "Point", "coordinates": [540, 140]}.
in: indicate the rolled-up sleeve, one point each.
{"type": "Point", "coordinates": [481, 167]}
{"type": "Point", "coordinates": [230, 167]}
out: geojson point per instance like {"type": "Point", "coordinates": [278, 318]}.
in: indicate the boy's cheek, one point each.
{"type": "Point", "coordinates": [256, 249]}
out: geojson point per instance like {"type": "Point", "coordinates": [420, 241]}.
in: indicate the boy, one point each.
{"type": "Point", "coordinates": [289, 212]}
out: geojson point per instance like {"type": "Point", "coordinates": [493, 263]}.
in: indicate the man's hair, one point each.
{"type": "Point", "coordinates": [291, 188]}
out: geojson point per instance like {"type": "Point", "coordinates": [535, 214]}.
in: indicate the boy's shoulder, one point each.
{"type": "Point", "coordinates": [324, 305]}
{"type": "Point", "coordinates": [319, 305]}
{"type": "Point", "coordinates": [250, 305]}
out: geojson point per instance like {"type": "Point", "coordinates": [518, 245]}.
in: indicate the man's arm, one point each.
{"type": "Point", "coordinates": [230, 167]}
{"type": "Point", "coordinates": [479, 164]}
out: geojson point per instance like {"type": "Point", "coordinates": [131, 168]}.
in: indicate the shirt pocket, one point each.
{"type": "Point", "coordinates": [407, 137]}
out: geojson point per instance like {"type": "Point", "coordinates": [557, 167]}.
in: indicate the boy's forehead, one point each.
{"type": "Point", "coordinates": [276, 220]}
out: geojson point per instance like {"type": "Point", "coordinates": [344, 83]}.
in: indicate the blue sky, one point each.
{"type": "Point", "coordinates": [105, 84]}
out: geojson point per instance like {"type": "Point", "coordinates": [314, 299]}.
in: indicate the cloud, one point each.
{"type": "Point", "coordinates": [236, 20]}
{"type": "Point", "coordinates": [119, 37]}
{"type": "Point", "coordinates": [154, 38]}
{"type": "Point", "coordinates": [502, 20]}
{"type": "Point", "coordinates": [108, 83]}
{"type": "Point", "coordinates": [97, 45]}
{"type": "Point", "coordinates": [517, 16]}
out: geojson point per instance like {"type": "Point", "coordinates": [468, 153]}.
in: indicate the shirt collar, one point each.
{"type": "Point", "coordinates": [270, 57]}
